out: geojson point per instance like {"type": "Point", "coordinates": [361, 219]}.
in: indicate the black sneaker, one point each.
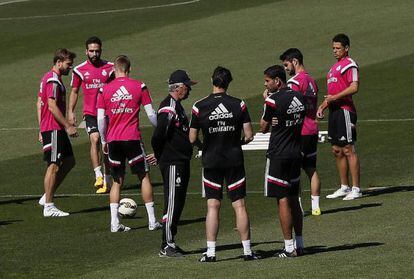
{"type": "Point", "coordinates": [169, 252]}
{"type": "Point", "coordinates": [300, 251]}
{"type": "Point", "coordinates": [284, 254]}
{"type": "Point", "coordinates": [251, 257]}
{"type": "Point", "coordinates": [207, 259]}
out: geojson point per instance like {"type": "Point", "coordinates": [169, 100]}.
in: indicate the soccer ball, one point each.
{"type": "Point", "coordinates": [127, 207]}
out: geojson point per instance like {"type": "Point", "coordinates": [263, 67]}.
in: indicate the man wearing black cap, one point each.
{"type": "Point", "coordinates": [173, 151]}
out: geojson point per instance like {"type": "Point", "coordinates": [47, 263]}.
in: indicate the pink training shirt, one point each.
{"type": "Point", "coordinates": [91, 79]}
{"type": "Point", "coordinates": [121, 99]}
{"type": "Point", "coordinates": [302, 82]}
{"type": "Point", "coordinates": [51, 86]}
{"type": "Point", "coordinates": [340, 77]}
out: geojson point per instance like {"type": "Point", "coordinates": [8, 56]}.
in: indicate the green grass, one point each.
{"type": "Point", "coordinates": [370, 237]}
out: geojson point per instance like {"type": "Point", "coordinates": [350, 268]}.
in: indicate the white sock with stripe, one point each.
{"type": "Point", "coordinates": [211, 248]}
{"type": "Point", "coordinates": [114, 214]}
{"type": "Point", "coordinates": [98, 172]}
{"type": "Point", "coordinates": [315, 202]}
{"type": "Point", "coordinates": [344, 187]}
{"type": "Point", "coordinates": [151, 212]}
{"type": "Point", "coordinates": [289, 245]}
{"type": "Point", "coordinates": [247, 247]}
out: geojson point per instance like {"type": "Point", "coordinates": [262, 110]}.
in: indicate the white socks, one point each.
{"type": "Point", "coordinates": [150, 211]}
{"type": "Point", "coordinates": [289, 245]}
{"type": "Point", "coordinates": [49, 204]}
{"type": "Point", "coordinates": [98, 172]}
{"type": "Point", "coordinates": [344, 187]}
{"type": "Point", "coordinates": [315, 202]}
{"type": "Point", "coordinates": [356, 189]}
{"type": "Point", "coordinates": [246, 247]}
{"type": "Point", "coordinates": [114, 215]}
{"type": "Point", "coordinates": [211, 248]}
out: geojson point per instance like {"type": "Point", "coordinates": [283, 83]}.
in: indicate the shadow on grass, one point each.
{"type": "Point", "coordinates": [191, 221]}
{"type": "Point", "coordinates": [22, 200]}
{"type": "Point", "coordinates": [230, 247]}
{"type": "Point", "coordinates": [91, 210]}
{"type": "Point", "coordinates": [138, 186]}
{"type": "Point", "coordinates": [9, 222]}
{"type": "Point", "coordinates": [348, 208]}
{"type": "Point", "coordinates": [387, 190]}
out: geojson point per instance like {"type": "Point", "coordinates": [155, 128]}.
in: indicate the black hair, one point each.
{"type": "Point", "coordinates": [290, 54]}
{"type": "Point", "coordinates": [63, 54]}
{"type": "Point", "coordinates": [221, 77]}
{"type": "Point", "coordinates": [276, 71]}
{"type": "Point", "coordinates": [343, 39]}
{"type": "Point", "coordinates": [93, 40]}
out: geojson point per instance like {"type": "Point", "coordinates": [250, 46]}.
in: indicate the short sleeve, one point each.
{"type": "Point", "coordinates": [52, 90]}
{"type": "Point", "coordinates": [269, 109]}
{"type": "Point", "coordinates": [146, 95]}
{"type": "Point", "coordinates": [352, 74]}
{"type": "Point", "coordinates": [195, 113]}
{"type": "Point", "coordinates": [245, 113]}
{"type": "Point", "coordinates": [76, 81]}
{"type": "Point", "coordinates": [294, 86]}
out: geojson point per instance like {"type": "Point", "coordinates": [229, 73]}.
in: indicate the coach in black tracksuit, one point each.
{"type": "Point", "coordinates": [173, 151]}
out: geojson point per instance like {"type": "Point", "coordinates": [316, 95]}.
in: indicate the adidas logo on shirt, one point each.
{"type": "Point", "coordinates": [121, 94]}
{"type": "Point", "coordinates": [295, 106]}
{"type": "Point", "coordinates": [220, 113]}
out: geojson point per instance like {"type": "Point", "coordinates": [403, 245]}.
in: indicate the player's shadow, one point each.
{"type": "Point", "coordinates": [138, 186]}
{"type": "Point", "coordinates": [232, 246]}
{"type": "Point", "coordinates": [191, 221]}
{"type": "Point", "coordinates": [9, 222]}
{"type": "Point", "coordinates": [22, 200]}
{"type": "Point", "coordinates": [387, 190]}
{"type": "Point", "coordinates": [348, 208]}
{"type": "Point", "coordinates": [91, 210]}
{"type": "Point", "coordinates": [311, 250]}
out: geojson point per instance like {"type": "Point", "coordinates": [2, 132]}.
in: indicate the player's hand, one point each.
{"type": "Point", "coordinates": [330, 98]}
{"type": "Point", "coordinates": [72, 119]}
{"type": "Point", "coordinates": [265, 94]}
{"type": "Point", "coordinates": [72, 131]}
{"type": "Point", "coordinates": [320, 114]}
{"type": "Point", "coordinates": [40, 138]}
{"type": "Point", "coordinates": [151, 159]}
{"type": "Point", "coordinates": [275, 121]}
{"type": "Point", "coordinates": [105, 148]}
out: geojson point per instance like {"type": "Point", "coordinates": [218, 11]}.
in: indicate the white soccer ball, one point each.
{"type": "Point", "coordinates": [127, 207]}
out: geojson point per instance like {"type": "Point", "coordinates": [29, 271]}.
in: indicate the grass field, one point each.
{"type": "Point", "coordinates": [366, 238]}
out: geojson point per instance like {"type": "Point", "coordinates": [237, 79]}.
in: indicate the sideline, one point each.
{"type": "Point", "coordinates": [12, 2]}
{"type": "Point", "coordinates": [94, 13]}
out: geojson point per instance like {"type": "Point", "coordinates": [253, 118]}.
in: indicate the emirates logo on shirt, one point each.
{"type": "Point", "coordinates": [121, 94]}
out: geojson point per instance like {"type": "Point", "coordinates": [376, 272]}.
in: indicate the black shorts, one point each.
{"type": "Point", "coordinates": [309, 151]}
{"type": "Point", "coordinates": [133, 151]}
{"type": "Point", "coordinates": [342, 127]}
{"type": "Point", "coordinates": [91, 124]}
{"type": "Point", "coordinates": [282, 178]}
{"type": "Point", "coordinates": [235, 180]}
{"type": "Point", "coordinates": [56, 146]}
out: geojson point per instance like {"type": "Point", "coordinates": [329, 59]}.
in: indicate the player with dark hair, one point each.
{"type": "Point", "coordinates": [343, 83]}
{"type": "Point", "coordinates": [92, 75]}
{"type": "Point", "coordinates": [55, 129]}
{"type": "Point", "coordinates": [173, 150]}
{"type": "Point", "coordinates": [120, 101]}
{"type": "Point", "coordinates": [302, 82]}
{"type": "Point", "coordinates": [222, 118]}
{"type": "Point", "coordinates": [282, 176]}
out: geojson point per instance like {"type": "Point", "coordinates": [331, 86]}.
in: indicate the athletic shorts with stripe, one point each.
{"type": "Point", "coordinates": [235, 178]}
{"type": "Point", "coordinates": [282, 178]}
{"type": "Point", "coordinates": [91, 124]}
{"type": "Point", "coordinates": [175, 182]}
{"type": "Point", "coordinates": [342, 127]}
{"type": "Point", "coordinates": [133, 151]}
{"type": "Point", "coordinates": [309, 151]}
{"type": "Point", "coordinates": [56, 146]}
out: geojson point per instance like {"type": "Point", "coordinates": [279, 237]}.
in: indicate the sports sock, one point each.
{"type": "Point", "coordinates": [98, 172]}
{"type": "Point", "coordinates": [49, 204]}
{"type": "Point", "coordinates": [211, 248]}
{"type": "Point", "coordinates": [107, 178]}
{"type": "Point", "coordinates": [356, 189]}
{"type": "Point", "coordinates": [299, 241]}
{"type": "Point", "coordinates": [246, 247]}
{"type": "Point", "coordinates": [150, 211]}
{"type": "Point", "coordinates": [315, 202]}
{"type": "Point", "coordinates": [289, 245]}
{"type": "Point", "coordinates": [114, 214]}
{"type": "Point", "coordinates": [344, 187]}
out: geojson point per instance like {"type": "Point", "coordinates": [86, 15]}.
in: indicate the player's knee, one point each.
{"type": "Point", "coordinates": [337, 151]}
{"type": "Point", "coordinates": [54, 168]}
{"type": "Point", "coordinates": [349, 150]}
{"type": "Point", "coordinates": [213, 204]}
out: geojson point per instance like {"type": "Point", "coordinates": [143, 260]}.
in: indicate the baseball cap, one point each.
{"type": "Point", "coordinates": [181, 76]}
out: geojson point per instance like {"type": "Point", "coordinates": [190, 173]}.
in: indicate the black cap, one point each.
{"type": "Point", "coordinates": [181, 76]}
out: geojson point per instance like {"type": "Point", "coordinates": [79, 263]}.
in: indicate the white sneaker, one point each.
{"type": "Point", "coordinates": [53, 211]}
{"type": "Point", "coordinates": [120, 228]}
{"type": "Point", "coordinates": [155, 226]}
{"type": "Point", "coordinates": [352, 195]}
{"type": "Point", "coordinates": [42, 200]}
{"type": "Point", "coordinates": [339, 193]}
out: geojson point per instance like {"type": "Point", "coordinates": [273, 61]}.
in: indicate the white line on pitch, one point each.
{"type": "Point", "coordinates": [255, 123]}
{"type": "Point", "coordinates": [12, 2]}
{"type": "Point", "coordinates": [100, 12]}
{"type": "Point", "coordinates": [156, 193]}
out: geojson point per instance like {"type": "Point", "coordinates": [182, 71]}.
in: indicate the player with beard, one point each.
{"type": "Point", "coordinates": [302, 82]}
{"type": "Point", "coordinates": [92, 75]}
{"type": "Point", "coordinates": [55, 129]}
